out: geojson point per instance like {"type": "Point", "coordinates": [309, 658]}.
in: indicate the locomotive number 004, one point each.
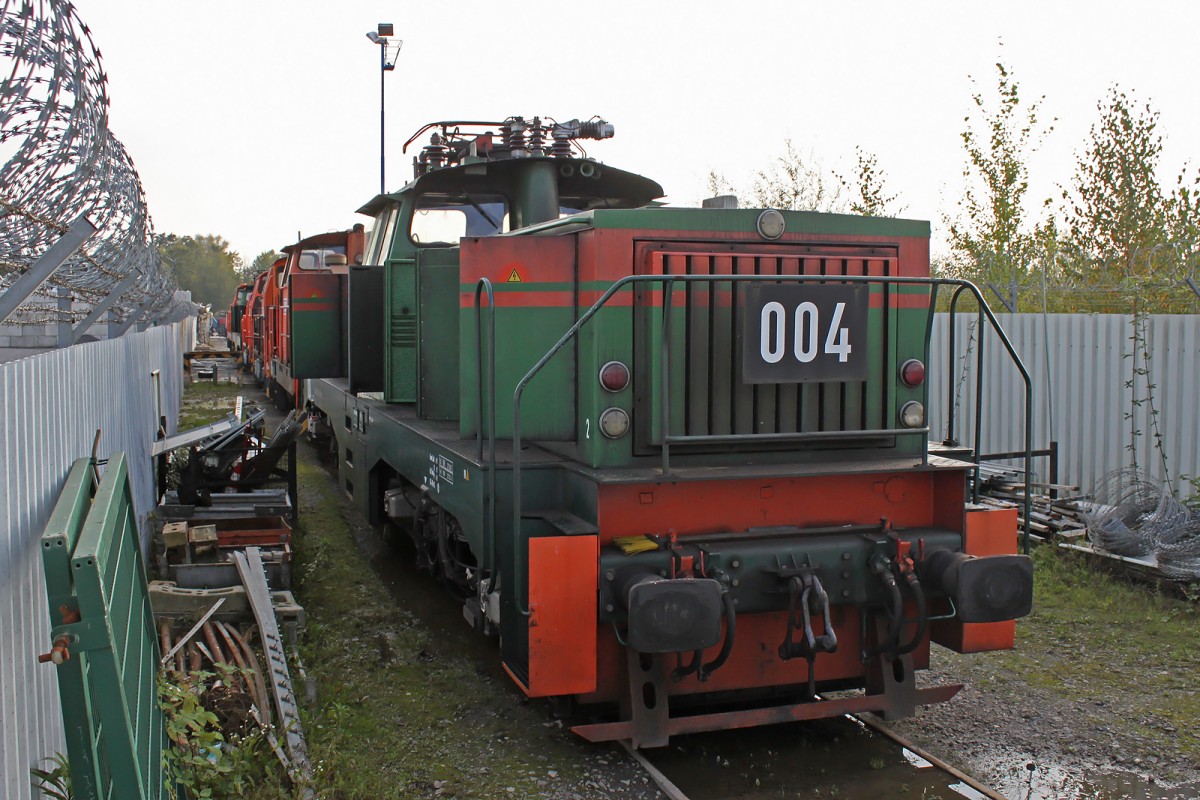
{"type": "Point", "coordinates": [802, 332]}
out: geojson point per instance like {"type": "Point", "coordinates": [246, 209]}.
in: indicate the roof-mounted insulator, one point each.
{"type": "Point", "coordinates": [537, 138]}
{"type": "Point", "coordinates": [434, 154]}
{"type": "Point", "coordinates": [514, 136]}
{"type": "Point", "coordinates": [562, 142]}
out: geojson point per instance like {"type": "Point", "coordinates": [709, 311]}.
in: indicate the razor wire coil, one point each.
{"type": "Point", "coordinates": [60, 160]}
{"type": "Point", "coordinates": [1137, 517]}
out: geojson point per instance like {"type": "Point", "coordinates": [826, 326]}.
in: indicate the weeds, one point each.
{"type": "Point", "coordinates": [203, 760]}
{"type": "Point", "coordinates": [54, 783]}
{"type": "Point", "coordinates": [1093, 635]}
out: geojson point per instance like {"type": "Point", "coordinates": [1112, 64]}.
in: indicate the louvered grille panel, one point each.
{"type": "Point", "coordinates": [706, 392]}
{"type": "Point", "coordinates": [404, 330]}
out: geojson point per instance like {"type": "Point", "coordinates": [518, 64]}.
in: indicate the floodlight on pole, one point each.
{"type": "Point", "coordinates": [379, 36]}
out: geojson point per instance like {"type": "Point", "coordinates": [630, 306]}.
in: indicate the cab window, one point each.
{"type": "Point", "coordinates": [381, 236]}
{"type": "Point", "coordinates": [440, 220]}
{"type": "Point", "coordinates": [315, 258]}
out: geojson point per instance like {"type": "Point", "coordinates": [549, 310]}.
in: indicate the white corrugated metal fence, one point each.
{"type": "Point", "coordinates": [51, 406]}
{"type": "Point", "coordinates": [1092, 393]}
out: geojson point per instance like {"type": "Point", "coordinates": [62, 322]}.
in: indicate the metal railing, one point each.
{"type": "Point", "coordinates": [104, 645]}
{"type": "Point", "coordinates": [485, 286]}
{"type": "Point", "coordinates": [668, 439]}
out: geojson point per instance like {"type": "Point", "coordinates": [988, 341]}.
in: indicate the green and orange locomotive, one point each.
{"type": "Point", "coordinates": [676, 458]}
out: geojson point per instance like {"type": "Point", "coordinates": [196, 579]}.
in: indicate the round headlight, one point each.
{"type": "Point", "coordinates": [770, 224]}
{"type": "Point", "coordinates": [614, 423]}
{"type": "Point", "coordinates": [614, 376]}
{"type": "Point", "coordinates": [912, 373]}
{"type": "Point", "coordinates": [912, 414]}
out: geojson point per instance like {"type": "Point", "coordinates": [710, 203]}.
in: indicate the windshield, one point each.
{"type": "Point", "coordinates": [441, 220]}
{"type": "Point", "coordinates": [380, 240]}
{"type": "Point", "coordinates": [315, 258]}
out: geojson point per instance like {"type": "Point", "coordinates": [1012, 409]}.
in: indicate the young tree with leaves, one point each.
{"type": "Point", "coordinates": [794, 183]}
{"type": "Point", "coordinates": [789, 183]}
{"type": "Point", "coordinates": [868, 188]}
{"type": "Point", "coordinates": [1119, 217]}
{"type": "Point", "coordinates": [990, 239]}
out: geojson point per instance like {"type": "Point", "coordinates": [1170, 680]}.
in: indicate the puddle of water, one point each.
{"type": "Point", "coordinates": [1015, 780]}
{"type": "Point", "coordinates": [824, 758]}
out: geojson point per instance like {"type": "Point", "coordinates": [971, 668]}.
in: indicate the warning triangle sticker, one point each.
{"type": "Point", "coordinates": [515, 276]}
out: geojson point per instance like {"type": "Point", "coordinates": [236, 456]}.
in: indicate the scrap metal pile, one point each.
{"type": "Point", "coordinates": [1127, 515]}
{"type": "Point", "coordinates": [240, 459]}
{"type": "Point", "coordinates": [235, 656]}
{"type": "Point", "coordinates": [1136, 517]}
{"type": "Point", "coordinates": [59, 160]}
{"type": "Point", "coordinates": [227, 620]}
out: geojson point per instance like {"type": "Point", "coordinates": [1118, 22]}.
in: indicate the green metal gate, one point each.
{"type": "Point", "coordinates": [105, 645]}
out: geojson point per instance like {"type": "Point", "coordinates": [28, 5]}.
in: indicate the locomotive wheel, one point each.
{"type": "Point", "coordinates": [457, 561]}
{"type": "Point", "coordinates": [443, 552]}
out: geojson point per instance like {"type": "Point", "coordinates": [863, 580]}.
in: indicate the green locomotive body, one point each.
{"type": "Point", "coordinates": [677, 458]}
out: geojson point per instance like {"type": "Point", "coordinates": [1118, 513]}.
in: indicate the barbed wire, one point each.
{"type": "Point", "coordinates": [60, 161]}
{"type": "Point", "coordinates": [1136, 517]}
{"type": "Point", "coordinates": [1160, 277]}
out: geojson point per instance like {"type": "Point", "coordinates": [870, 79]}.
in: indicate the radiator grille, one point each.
{"type": "Point", "coordinates": [404, 330]}
{"type": "Point", "coordinates": [706, 393]}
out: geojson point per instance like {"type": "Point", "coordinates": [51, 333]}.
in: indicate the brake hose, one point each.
{"type": "Point", "coordinates": [914, 586]}
{"type": "Point", "coordinates": [896, 618]}
{"type": "Point", "coordinates": [727, 645]}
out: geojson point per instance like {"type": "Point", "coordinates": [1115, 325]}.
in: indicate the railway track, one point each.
{"type": "Point", "coordinates": [842, 758]}
{"type": "Point", "coordinates": [847, 757]}
{"type": "Point", "coordinates": [850, 757]}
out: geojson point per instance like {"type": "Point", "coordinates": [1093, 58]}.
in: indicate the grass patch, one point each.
{"type": "Point", "coordinates": [1093, 636]}
{"type": "Point", "coordinates": [398, 715]}
{"type": "Point", "coordinates": [204, 403]}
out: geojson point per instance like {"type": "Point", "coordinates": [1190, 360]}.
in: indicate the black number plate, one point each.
{"type": "Point", "coordinates": [796, 333]}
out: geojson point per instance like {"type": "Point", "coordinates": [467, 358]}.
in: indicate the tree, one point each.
{"type": "Point", "coordinates": [792, 183]}
{"type": "Point", "coordinates": [990, 239]}
{"type": "Point", "coordinates": [789, 183]}
{"type": "Point", "coordinates": [203, 265]}
{"type": "Point", "coordinates": [870, 187]}
{"type": "Point", "coordinates": [1119, 217]}
{"type": "Point", "coordinates": [261, 263]}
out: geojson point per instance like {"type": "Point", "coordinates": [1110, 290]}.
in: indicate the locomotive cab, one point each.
{"type": "Point", "coordinates": [676, 457]}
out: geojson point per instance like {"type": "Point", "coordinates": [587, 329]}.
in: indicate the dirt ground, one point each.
{"type": "Point", "coordinates": [1105, 709]}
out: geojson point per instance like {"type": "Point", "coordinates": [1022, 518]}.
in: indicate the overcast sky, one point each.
{"type": "Point", "coordinates": [258, 120]}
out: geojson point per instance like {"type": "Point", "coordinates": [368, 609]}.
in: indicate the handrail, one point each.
{"type": "Point", "coordinates": [485, 285]}
{"type": "Point", "coordinates": [978, 433]}
{"type": "Point", "coordinates": [670, 280]}
{"type": "Point", "coordinates": [950, 404]}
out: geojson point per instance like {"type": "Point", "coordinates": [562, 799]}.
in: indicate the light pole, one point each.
{"type": "Point", "coordinates": [380, 37]}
